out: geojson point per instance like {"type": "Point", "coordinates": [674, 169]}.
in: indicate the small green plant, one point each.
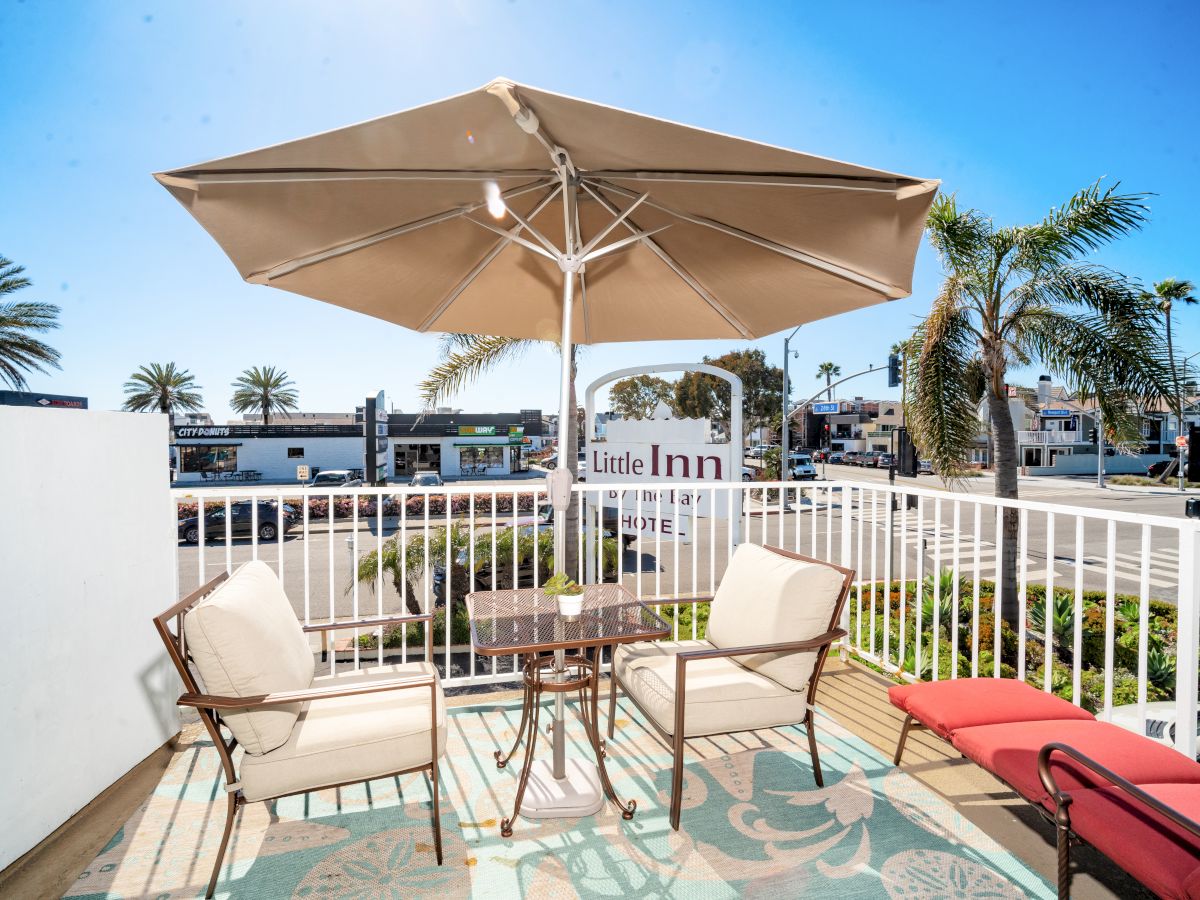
{"type": "Point", "coordinates": [560, 585]}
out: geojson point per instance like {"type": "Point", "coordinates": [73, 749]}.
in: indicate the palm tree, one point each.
{"type": "Point", "coordinates": [1166, 294]}
{"type": "Point", "coordinates": [467, 357]}
{"type": "Point", "coordinates": [1020, 294]}
{"type": "Point", "coordinates": [264, 390]}
{"type": "Point", "coordinates": [828, 371]}
{"type": "Point", "coordinates": [20, 352]}
{"type": "Point", "coordinates": [162, 388]}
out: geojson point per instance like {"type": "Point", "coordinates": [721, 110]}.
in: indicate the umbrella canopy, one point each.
{"type": "Point", "coordinates": [673, 232]}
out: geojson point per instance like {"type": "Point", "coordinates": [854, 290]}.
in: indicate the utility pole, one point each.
{"type": "Point", "coordinates": [785, 470]}
{"type": "Point", "coordinates": [1099, 446]}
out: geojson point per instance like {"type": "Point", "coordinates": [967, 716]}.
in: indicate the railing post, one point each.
{"type": "Point", "coordinates": [846, 561]}
{"type": "Point", "coordinates": [1187, 648]}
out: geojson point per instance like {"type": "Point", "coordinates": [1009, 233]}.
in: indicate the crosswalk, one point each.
{"type": "Point", "coordinates": [939, 547]}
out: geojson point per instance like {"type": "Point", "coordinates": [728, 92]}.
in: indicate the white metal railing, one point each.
{"type": "Point", "coordinates": [1050, 437]}
{"type": "Point", "coordinates": [927, 561]}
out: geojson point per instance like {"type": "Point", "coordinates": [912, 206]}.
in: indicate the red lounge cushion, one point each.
{"type": "Point", "coordinates": [946, 706]}
{"type": "Point", "coordinates": [1010, 752]}
{"type": "Point", "coordinates": [1151, 848]}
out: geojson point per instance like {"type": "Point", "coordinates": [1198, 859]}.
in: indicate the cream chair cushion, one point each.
{"type": "Point", "coordinates": [351, 739]}
{"type": "Point", "coordinates": [245, 640]}
{"type": "Point", "coordinates": [721, 696]}
{"type": "Point", "coordinates": [768, 598]}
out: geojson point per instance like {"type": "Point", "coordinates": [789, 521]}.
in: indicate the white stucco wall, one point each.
{"type": "Point", "coordinates": [86, 560]}
{"type": "Point", "coordinates": [269, 455]}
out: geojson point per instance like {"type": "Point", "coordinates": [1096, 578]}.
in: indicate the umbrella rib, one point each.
{"type": "Point", "coordinates": [301, 262]}
{"type": "Point", "coordinates": [583, 305]}
{"type": "Point", "coordinates": [192, 179]}
{"type": "Point", "coordinates": [484, 262]}
{"type": "Point", "coordinates": [671, 263]}
{"type": "Point", "coordinates": [800, 256]}
{"type": "Point", "coordinates": [821, 182]}
{"type": "Point", "coordinates": [528, 245]}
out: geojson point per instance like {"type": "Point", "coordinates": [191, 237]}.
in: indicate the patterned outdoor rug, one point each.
{"type": "Point", "coordinates": [754, 825]}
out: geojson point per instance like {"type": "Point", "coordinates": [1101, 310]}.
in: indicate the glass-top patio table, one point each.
{"type": "Point", "coordinates": [527, 623]}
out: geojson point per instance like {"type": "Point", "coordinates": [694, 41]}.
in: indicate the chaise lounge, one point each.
{"type": "Point", "coordinates": [1133, 799]}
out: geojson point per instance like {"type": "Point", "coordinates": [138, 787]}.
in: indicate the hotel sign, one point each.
{"type": "Point", "coordinates": [202, 431]}
{"type": "Point", "coordinates": [666, 513]}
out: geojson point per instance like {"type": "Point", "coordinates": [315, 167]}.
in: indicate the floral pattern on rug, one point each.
{"type": "Point", "coordinates": [754, 825]}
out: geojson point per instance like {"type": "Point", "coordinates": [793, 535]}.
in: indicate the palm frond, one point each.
{"type": "Point", "coordinates": [1120, 362]}
{"type": "Point", "coordinates": [465, 358]}
{"type": "Point", "coordinates": [267, 390]}
{"type": "Point", "coordinates": [20, 352]}
{"type": "Point", "coordinates": [1091, 218]}
{"type": "Point", "coordinates": [161, 388]}
{"type": "Point", "coordinates": [943, 417]}
{"type": "Point", "coordinates": [1082, 285]}
{"type": "Point", "coordinates": [959, 237]}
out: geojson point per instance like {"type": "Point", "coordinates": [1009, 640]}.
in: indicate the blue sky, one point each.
{"type": "Point", "coordinates": [1014, 106]}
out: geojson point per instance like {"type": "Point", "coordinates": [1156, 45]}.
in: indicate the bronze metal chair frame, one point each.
{"type": "Point", "coordinates": [677, 740]}
{"type": "Point", "coordinates": [1062, 804]}
{"type": "Point", "coordinates": [211, 706]}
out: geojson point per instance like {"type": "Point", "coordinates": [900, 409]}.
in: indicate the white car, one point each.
{"type": "Point", "coordinates": [802, 468]}
{"type": "Point", "coordinates": [335, 478]}
{"type": "Point", "coordinates": [748, 473]}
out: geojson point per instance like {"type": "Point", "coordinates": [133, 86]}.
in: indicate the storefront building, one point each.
{"type": "Point", "coordinates": [454, 445]}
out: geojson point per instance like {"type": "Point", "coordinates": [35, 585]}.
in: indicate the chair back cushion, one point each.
{"type": "Point", "coordinates": [245, 640]}
{"type": "Point", "coordinates": [768, 598]}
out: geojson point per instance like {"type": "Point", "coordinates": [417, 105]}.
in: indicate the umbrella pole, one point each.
{"type": "Point", "coordinates": [561, 502]}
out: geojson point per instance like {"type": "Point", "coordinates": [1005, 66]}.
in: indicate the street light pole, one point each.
{"type": "Point", "coordinates": [1182, 451]}
{"type": "Point", "coordinates": [784, 468]}
{"type": "Point", "coordinates": [1099, 444]}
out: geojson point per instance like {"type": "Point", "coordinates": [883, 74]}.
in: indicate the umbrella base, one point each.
{"type": "Point", "coordinates": [577, 795]}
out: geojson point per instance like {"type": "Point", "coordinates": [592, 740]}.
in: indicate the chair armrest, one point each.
{"type": "Point", "coordinates": [1063, 798]}
{"type": "Point", "coordinates": [278, 698]}
{"type": "Point", "coordinates": [683, 600]}
{"type": "Point", "coordinates": [795, 646]}
{"type": "Point", "coordinates": [366, 623]}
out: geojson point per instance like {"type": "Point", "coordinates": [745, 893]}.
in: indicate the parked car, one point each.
{"type": "Point", "coordinates": [837, 457]}
{"type": "Point", "coordinates": [335, 478]}
{"type": "Point", "coordinates": [801, 466]}
{"type": "Point", "coordinates": [1156, 469]}
{"type": "Point", "coordinates": [924, 467]}
{"type": "Point", "coordinates": [867, 459]}
{"type": "Point", "coordinates": [850, 458]}
{"type": "Point", "coordinates": [426, 479]}
{"type": "Point", "coordinates": [241, 522]}
{"type": "Point", "coordinates": [748, 473]}
{"type": "Point", "coordinates": [885, 460]}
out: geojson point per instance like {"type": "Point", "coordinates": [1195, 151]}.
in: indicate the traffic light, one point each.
{"type": "Point", "coordinates": [893, 371]}
{"type": "Point", "coordinates": [1093, 435]}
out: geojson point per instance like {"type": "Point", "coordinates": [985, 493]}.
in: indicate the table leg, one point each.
{"type": "Point", "coordinates": [533, 693]}
{"type": "Point", "coordinates": [526, 703]}
{"type": "Point", "coordinates": [627, 809]}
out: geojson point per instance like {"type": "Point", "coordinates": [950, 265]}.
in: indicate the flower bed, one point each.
{"type": "Point", "coordinates": [1161, 638]}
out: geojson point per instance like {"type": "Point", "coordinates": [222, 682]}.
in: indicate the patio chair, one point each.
{"type": "Point", "coordinates": [770, 627]}
{"type": "Point", "coordinates": [247, 667]}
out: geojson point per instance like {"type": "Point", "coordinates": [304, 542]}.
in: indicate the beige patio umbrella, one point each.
{"type": "Point", "coordinates": [514, 211]}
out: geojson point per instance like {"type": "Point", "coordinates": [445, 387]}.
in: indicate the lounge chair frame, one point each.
{"type": "Point", "coordinates": [676, 740]}
{"type": "Point", "coordinates": [211, 706]}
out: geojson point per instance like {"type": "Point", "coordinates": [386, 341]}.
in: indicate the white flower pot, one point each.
{"type": "Point", "coordinates": [570, 605]}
